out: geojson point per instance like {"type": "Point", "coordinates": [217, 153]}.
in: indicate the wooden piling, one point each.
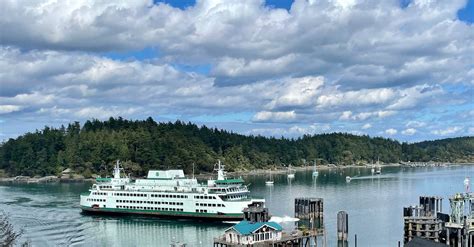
{"type": "Point", "coordinates": [342, 226]}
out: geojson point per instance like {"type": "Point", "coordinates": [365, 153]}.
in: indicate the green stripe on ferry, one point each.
{"type": "Point", "coordinates": [230, 181]}
{"type": "Point", "coordinates": [124, 210]}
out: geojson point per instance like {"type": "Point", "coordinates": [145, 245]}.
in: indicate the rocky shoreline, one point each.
{"type": "Point", "coordinates": [79, 179]}
{"type": "Point", "coordinates": [46, 179]}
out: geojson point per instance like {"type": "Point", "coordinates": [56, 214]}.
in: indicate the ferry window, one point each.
{"type": "Point", "coordinates": [197, 210]}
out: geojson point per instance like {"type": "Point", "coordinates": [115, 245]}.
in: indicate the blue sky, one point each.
{"type": "Point", "coordinates": [397, 69]}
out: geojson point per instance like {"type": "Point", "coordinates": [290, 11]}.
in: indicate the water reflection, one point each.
{"type": "Point", "coordinates": [50, 213]}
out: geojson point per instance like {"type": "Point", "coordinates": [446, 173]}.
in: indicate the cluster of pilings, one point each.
{"type": "Point", "coordinates": [310, 212]}
{"type": "Point", "coordinates": [256, 212]}
{"type": "Point", "coordinates": [427, 221]}
{"type": "Point", "coordinates": [460, 228]}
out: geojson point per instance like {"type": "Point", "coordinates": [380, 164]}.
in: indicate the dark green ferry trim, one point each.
{"type": "Point", "coordinates": [103, 179]}
{"type": "Point", "coordinates": [159, 178]}
{"type": "Point", "coordinates": [230, 181]}
{"type": "Point", "coordinates": [162, 213]}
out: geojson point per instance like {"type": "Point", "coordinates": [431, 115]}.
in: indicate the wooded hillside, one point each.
{"type": "Point", "coordinates": [143, 145]}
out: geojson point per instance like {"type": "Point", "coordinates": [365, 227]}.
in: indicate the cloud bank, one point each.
{"type": "Point", "coordinates": [369, 67]}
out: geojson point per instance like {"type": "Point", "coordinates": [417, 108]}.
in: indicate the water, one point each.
{"type": "Point", "coordinates": [50, 214]}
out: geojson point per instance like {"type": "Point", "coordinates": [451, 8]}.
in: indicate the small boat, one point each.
{"type": "Point", "coordinates": [315, 172]}
{"type": "Point", "coordinates": [270, 182]}
{"type": "Point", "coordinates": [378, 171]}
{"type": "Point", "coordinates": [348, 179]}
{"type": "Point", "coordinates": [291, 172]}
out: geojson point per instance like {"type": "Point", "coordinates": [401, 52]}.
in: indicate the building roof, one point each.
{"type": "Point", "coordinates": [420, 242]}
{"type": "Point", "coordinates": [247, 227]}
{"type": "Point", "coordinates": [68, 170]}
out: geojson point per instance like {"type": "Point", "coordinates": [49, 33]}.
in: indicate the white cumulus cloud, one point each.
{"type": "Point", "coordinates": [391, 131]}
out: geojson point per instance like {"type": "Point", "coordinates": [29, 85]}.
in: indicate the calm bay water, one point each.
{"type": "Point", "coordinates": [50, 214]}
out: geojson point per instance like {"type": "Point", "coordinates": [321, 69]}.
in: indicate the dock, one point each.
{"type": "Point", "coordinates": [255, 230]}
{"type": "Point", "coordinates": [428, 222]}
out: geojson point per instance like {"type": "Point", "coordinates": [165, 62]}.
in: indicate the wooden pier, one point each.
{"type": "Point", "coordinates": [427, 221]}
{"type": "Point", "coordinates": [308, 233]}
{"type": "Point", "coordinates": [421, 220]}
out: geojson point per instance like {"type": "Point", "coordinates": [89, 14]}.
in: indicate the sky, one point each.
{"type": "Point", "coordinates": [399, 69]}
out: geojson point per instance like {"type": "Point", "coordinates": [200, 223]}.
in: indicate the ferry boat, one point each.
{"type": "Point", "coordinates": [168, 193]}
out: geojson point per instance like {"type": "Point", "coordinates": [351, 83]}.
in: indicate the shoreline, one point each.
{"type": "Point", "coordinates": [55, 179]}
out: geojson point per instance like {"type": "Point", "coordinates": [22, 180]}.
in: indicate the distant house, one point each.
{"type": "Point", "coordinates": [246, 232]}
{"type": "Point", "coordinates": [66, 173]}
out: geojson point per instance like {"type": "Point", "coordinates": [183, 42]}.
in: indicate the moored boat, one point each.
{"type": "Point", "coordinates": [168, 193]}
{"type": "Point", "coordinates": [291, 172]}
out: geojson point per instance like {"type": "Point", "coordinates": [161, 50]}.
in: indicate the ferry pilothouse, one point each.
{"type": "Point", "coordinates": [169, 193]}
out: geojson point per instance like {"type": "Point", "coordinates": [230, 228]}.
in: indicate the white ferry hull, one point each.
{"type": "Point", "coordinates": [169, 194]}
{"type": "Point", "coordinates": [164, 214]}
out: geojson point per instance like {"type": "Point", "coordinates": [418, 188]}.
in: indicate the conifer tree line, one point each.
{"type": "Point", "coordinates": [145, 144]}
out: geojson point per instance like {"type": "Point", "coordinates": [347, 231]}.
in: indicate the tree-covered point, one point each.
{"type": "Point", "coordinates": [143, 145]}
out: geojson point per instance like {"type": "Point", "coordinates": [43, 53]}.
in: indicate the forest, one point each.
{"type": "Point", "coordinates": [145, 144]}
